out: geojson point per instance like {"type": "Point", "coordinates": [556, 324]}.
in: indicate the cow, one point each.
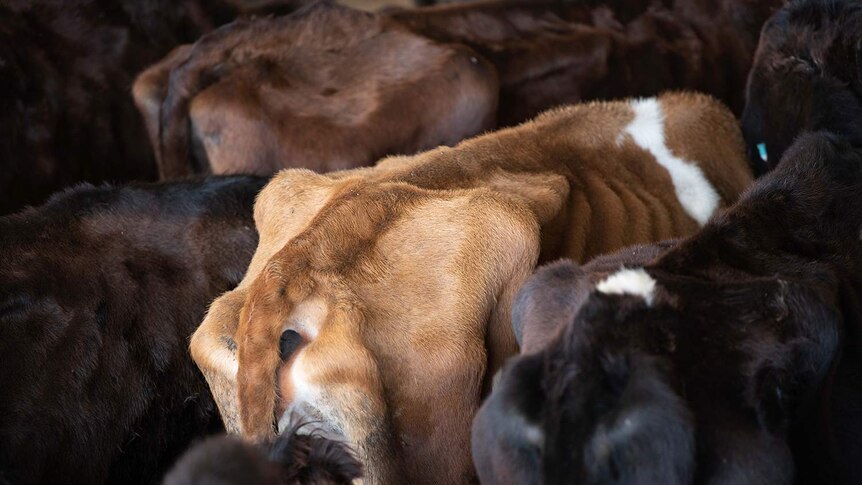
{"type": "Point", "coordinates": [549, 53]}
{"type": "Point", "coordinates": [807, 76]}
{"type": "Point", "coordinates": [299, 456]}
{"type": "Point", "coordinates": [100, 290]}
{"type": "Point", "coordinates": [377, 303]}
{"type": "Point", "coordinates": [325, 88]}
{"type": "Point", "coordinates": [65, 69]}
{"type": "Point", "coordinates": [730, 356]}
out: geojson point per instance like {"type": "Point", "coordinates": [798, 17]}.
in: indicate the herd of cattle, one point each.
{"type": "Point", "coordinates": [499, 242]}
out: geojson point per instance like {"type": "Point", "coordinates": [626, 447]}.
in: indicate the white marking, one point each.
{"type": "Point", "coordinates": [693, 190]}
{"type": "Point", "coordinates": [629, 282]}
{"type": "Point", "coordinates": [618, 435]}
{"type": "Point", "coordinates": [534, 435]}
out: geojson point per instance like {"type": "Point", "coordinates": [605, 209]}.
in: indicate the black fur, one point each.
{"type": "Point", "coordinates": [744, 369]}
{"type": "Point", "coordinates": [66, 71]}
{"type": "Point", "coordinates": [807, 76]}
{"type": "Point", "coordinates": [298, 456]}
{"type": "Point", "coordinates": [100, 290]}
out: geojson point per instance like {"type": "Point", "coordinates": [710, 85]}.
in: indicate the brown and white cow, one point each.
{"type": "Point", "coordinates": [729, 357]}
{"type": "Point", "coordinates": [325, 88]}
{"type": "Point", "coordinates": [378, 301]}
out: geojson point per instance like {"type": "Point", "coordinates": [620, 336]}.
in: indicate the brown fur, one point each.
{"type": "Point", "coordinates": [738, 363]}
{"type": "Point", "coordinates": [400, 278]}
{"type": "Point", "coordinates": [325, 88]}
{"type": "Point", "coordinates": [549, 52]}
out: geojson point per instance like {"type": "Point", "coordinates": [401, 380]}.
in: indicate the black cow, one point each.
{"type": "Point", "coordinates": [299, 456]}
{"type": "Point", "coordinates": [733, 357]}
{"type": "Point", "coordinates": [807, 76]}
{"type": "Point", "coordinates": [100, 290]}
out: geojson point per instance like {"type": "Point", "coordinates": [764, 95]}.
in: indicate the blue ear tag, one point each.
{"type": "Point", "coordinates": [761, 149]}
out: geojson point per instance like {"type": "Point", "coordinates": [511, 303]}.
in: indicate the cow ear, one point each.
{"type": "Point", "coordinates": [548, 300]}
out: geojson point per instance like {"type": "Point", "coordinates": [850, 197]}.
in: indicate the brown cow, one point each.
{"type": "Point", "coordinates": [549, 53]}
{"type": "Point", "coordinates": [325, 88]}
{"type": "Point", "coordinates": [390, 287]}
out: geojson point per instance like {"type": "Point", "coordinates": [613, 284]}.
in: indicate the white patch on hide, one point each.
{"type": "Point", "coordinates": [693, 190]}
{"type": "Point", "coordinates": [629, 282]}
{"type": "Point", "coordinates": [534, 435]}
